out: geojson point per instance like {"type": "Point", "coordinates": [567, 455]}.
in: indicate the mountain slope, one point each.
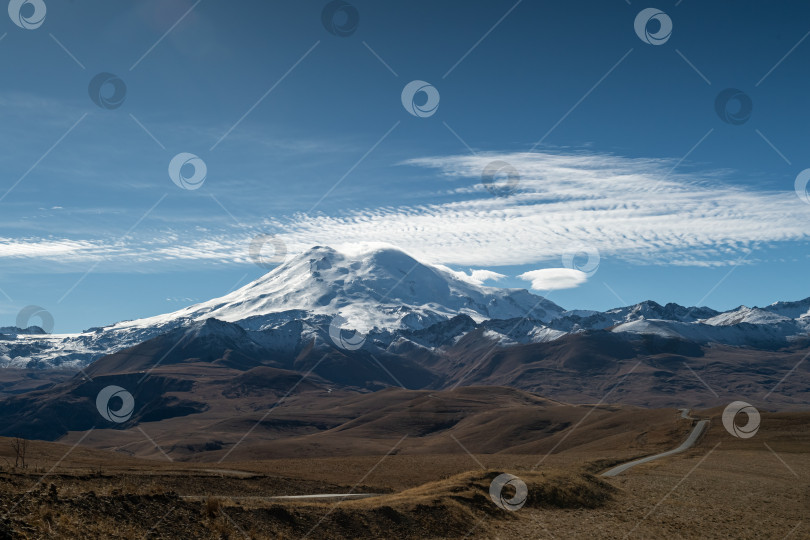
{"type": "Point", "coordinates": [385, 289]}
{"type": "Point", "coordinates": [404, 307]}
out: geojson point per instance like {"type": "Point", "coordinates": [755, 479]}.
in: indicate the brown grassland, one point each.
{"type": "Point", "coordinates": [722, 488]}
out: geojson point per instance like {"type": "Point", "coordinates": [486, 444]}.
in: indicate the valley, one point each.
{"type": "Point", "coordinates": [339, 397]}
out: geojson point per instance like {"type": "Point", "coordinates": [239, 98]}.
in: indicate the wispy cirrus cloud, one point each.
{"type": "Point", "coordinates": [631, 209]}
{"type": "Point", "coordinates": [634, 209]}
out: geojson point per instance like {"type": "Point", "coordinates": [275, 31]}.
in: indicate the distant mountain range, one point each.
{"type": "Point", "coordinates": [289, 338]}
{"type": "Point", "coordinates": [398, 304]}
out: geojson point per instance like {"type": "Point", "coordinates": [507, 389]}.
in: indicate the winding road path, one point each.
{"type": "Point", "coordinates": [698, 430]}
{"type": "Point", "coordinates": [690, 441]}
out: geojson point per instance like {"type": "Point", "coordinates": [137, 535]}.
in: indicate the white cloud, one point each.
{"type": "Point", "coordinates": [629, 209]}
{"type": "Point", "coordinates": [485, 275]}
{"type": "Point", "coordinates": [476, 276]}
{"type": "Point", "coordinates": [553, 279]}
{"type": "Point", "coordinates": [632, 209]}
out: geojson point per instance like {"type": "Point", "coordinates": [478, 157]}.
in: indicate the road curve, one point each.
{"type": "Point", "coordinates": [698, 430]}
{"type": "Point", "coordinates": [284, 497]}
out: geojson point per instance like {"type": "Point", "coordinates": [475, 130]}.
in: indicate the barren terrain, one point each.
{"type": "Point", "coordinates": [722, 488]}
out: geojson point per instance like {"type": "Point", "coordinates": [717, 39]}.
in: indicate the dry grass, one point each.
{"type": "Point", "coordinates": [738, 494]}
{"type": "Point", "coordinates": [442, 508]}
{"type": "Point", "coordinates": [741, 490]}
{"type": "Point", "coordinates": [558, 489]}
{"type": "Point", "coordinates": [213, 505]}
{"type": "Point", "coordinates": [734, 493]}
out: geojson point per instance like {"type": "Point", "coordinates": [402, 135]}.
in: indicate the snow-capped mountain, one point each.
{"type": "Point", "coordinates": [399, 303]}
{"type": "Point", "coordinates": [793, 310]}
{"type": "Point", "coordinates": [385, 288]}
{"type": "Point", "coordinates": [382, 290]}
{"type": "Point", "coordinates": [648, 310]}
{"type": "Point", "coordinates": [745, 314]}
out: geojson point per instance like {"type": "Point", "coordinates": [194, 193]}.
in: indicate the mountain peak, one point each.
{"type": "Point", "coordinates": [794, 310]}
{"type": "Point", "coordinates": [381, 286]}
{"type": "Point", "coordinates": [649, 309]}
{"type": "Point", "coordinates": [385, 291]}
{"type": "Point", "coordinates": [326, 259]}
{"type": "Point", "coordinates": [319, 251]}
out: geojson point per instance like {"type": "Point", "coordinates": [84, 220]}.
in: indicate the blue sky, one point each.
{"type": "Point", "coordinates": [617, 144]}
